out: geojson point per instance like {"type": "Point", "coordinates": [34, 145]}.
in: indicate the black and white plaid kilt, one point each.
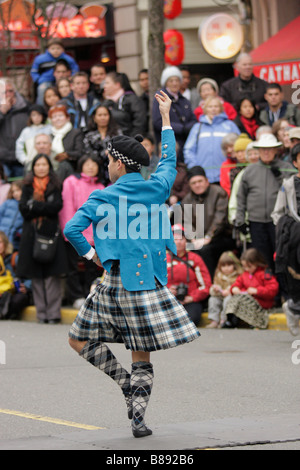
{"type": "Point", "coordinates": [142, 320]}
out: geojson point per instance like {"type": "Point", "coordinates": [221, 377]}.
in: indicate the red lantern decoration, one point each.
{"type": "Point", "coordinates": [172, 8]}
{"type": "Point", "coordinates": [174, 47]}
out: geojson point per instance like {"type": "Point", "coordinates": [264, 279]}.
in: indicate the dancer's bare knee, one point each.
{"type": "Point", "coordinates": [76, 345]}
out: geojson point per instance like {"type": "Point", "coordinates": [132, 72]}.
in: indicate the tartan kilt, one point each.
{"type": "Point", "coordinates": [147, 320]}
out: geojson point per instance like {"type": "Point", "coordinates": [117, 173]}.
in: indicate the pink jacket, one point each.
{"type": "Point", "coordinates": [75, 193]}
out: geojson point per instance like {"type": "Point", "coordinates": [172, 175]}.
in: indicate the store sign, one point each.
{"type": "Point", "coordinates": [283, 73]}
{"type": "Point", "coordinates": [63, 21]}
{"type": "Point", "coordinates": [221, 36]}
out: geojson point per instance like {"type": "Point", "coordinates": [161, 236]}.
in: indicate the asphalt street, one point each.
{"type": "Point", "coordinates": [230, 389]}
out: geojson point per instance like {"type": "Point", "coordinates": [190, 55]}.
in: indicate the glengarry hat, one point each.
{"type": "Point", "coordinates": [129, 150]}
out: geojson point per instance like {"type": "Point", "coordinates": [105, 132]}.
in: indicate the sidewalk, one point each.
{"type": "Point", "coordinates": [68, 314]}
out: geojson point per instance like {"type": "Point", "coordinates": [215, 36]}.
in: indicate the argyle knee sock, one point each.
{"type": "Point", "coordinates": [141, 382]}
{"type": "Point", "coordinates": [99, 355]}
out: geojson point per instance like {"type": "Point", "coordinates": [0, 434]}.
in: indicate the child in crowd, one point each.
{"type": "Point", "coordinates": [11, 220]}
{"type": "Point", "coordinates": [227, 271]}
{"type": "Point", "coordinates": [43, 66]}
{"type": "Point", "coordinates": [64, 87]}
{"type": "Point", "coordinates": [76, 191]}
{"type": "Point", "coordinates": [36, 125]}
{"type": "Point", "coordinates": [253, 292]}
{"type": "Point", "coordinates": [15, 294]}
{"type": "Point", "coordinates": [51, 97]}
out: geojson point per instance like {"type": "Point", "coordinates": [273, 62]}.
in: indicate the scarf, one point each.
{"type": "Point", "coordinates": [39, 187]}
{"type": "Point", "coordinates": [250, 125]}
{"type": "Point", "coordinates": [59, 134]}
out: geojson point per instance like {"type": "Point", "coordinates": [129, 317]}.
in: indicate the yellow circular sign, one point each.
{"type": "Point", "coordinates": [221, 36]}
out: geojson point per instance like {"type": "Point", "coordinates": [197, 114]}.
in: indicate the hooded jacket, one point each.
{"type": "Point", "coordinates": [203, 145]}
{"type": "Point", "coordinates": [43, 67]}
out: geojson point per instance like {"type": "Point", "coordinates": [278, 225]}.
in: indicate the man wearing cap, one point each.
{"type": "Point", "coordinates": [181, 115]}
{"type": "Point", "coordinates": [132, 305]}
{"type": "Point", "coordinates": [213, 236]}
{"type": "Point", "coordinates": [257, 195]}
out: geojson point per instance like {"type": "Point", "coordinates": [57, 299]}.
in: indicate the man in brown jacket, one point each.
{"type": "Point", "coordinates": [212, 234]}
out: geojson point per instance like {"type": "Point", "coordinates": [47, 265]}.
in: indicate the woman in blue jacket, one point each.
{"type": "Point", "coordinates": [203, 145]}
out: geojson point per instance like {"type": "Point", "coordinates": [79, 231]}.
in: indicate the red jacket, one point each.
{"type": "Point", "coordinates": [228, 109]}
{"type": "Point", "coordinates": [265, 283]}
{"type": "Point", "coordinates": [225, 174]}
{"type": "Point", "coordinates": [200, 280]}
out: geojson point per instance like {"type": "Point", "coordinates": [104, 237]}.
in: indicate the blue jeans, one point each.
{"type": "Point", "coordinates": [13, 170]}
{"type": "Point", "coordinates": [41, 91]}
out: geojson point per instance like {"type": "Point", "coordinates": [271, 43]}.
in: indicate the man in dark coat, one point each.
{"type": "Point", "coordinates": [14, 113]}
{"type": "Point", "coordinates": [245, 85]}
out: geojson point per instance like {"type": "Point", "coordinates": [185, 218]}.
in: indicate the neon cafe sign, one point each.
{"type": "Point", "coordinates": [63, 21]}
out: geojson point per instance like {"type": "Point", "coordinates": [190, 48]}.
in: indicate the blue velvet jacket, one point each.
{"type": "Point", "coordinates": [130, 223]}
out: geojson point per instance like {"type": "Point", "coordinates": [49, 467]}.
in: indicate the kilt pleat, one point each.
{"type": "Point", "coordinates": [147, 320]}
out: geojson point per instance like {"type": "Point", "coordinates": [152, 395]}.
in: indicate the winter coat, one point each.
{"type": "Point", "coordinates": [130, 114]}
{"type": "Point", "coordinates": [11, 221]}
{"type": "Point", "coordinates": [234, 89]}
{"type": "Point", "coordinates": [31, 210]}
{"type": "Point", "coordinates": [73, 145]}
{"type": "Point", "coordinates": [224, 281]}
{"type": "Point", "coordinates": [226, 166]}
{"type": "Point", "coordinates": [258, 190]}
{"type": "Point", "coordinates": [265, 283]}
{"type": "Point", "coordinates": [181, 116]}
{"type": "Point", "coordinates": [11, 125]}
{"type": "Point", "coordinates": [43, 67]}
{"type": "Point", "coordinates": [215, 202]}
{"type": "Point", "coordinates": [76, 112]}
{"type": "Point", "coordinates": [76, 191]}
{"type": "Point", "coordinates": [25, 142]}
{"type": "Point", "coordinates": [199, 277]}
{"type": "Point", "coordinates": [203, 145]}
{"type": "Point", "coordinates": [288, 111]}
{"type": "Point", "coordinates": [229, 110]}
{"type": "Point", "coordinates": [286, 202]}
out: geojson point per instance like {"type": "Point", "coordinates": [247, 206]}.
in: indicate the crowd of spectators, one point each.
{"type": "Point", "coordinates": [237, 146]}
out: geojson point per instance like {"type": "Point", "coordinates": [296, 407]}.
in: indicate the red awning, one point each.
{"type": "Point", "coordinates": [278, 59]}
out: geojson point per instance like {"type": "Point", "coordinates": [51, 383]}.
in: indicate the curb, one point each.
{"type": "Point", "coordinates": [277, 321]}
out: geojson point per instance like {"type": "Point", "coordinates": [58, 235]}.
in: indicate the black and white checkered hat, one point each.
{"type": "Point", "coordinates": [129, 150]}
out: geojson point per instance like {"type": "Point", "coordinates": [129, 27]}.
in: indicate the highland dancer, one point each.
{"type": "Point", "coordinates": [132, 305]}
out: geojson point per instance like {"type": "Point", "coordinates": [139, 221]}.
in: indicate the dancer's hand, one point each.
{"type": "Point", "coordinates": [164, 107]}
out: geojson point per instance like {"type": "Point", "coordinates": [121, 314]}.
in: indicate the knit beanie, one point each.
{"type": "Point", "coordinates": [212, 82]}
{"type": "Point", "coordinates": [241, 142]}
{"type": "Point", "coordinates": [169, 72]}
